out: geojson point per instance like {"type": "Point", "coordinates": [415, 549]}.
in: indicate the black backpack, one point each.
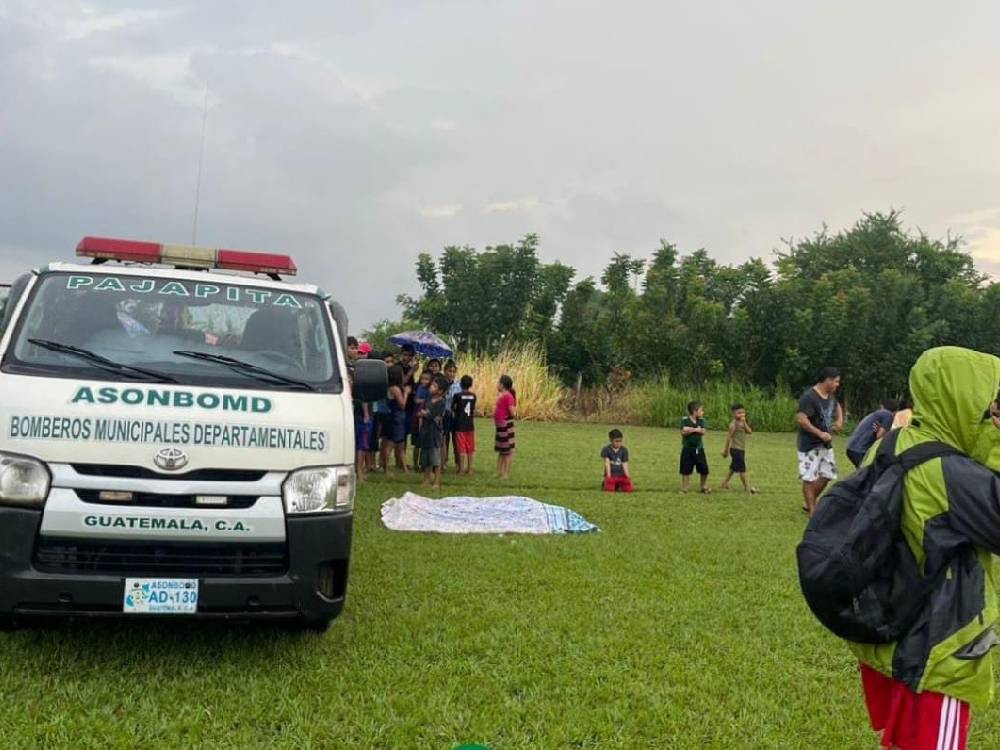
{"type": "Point", "coordinates": [857, 573]}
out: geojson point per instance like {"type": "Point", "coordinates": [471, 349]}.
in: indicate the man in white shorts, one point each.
{"type": "Point", "coordinates": [819, 416]}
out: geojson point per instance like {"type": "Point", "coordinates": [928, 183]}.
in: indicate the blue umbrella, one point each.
{"type": "Point", "coordinates": [423, 342]}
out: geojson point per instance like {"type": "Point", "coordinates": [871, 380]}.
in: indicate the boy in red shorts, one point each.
{"type": "Point", "coordinates": [463, 425]}
{"type": "Point", "coordinates": [615, 455]}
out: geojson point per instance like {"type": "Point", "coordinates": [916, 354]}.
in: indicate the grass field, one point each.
{"type": "Point", "coordinates": [680, 625]}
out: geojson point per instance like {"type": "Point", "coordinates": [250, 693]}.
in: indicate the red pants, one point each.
{"type": "Point", "coordinates": [914, 721]}
{"type": "Point", "coordinates": [618, 484]}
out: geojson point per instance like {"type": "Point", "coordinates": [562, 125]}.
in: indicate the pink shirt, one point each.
{"type": "Point", "coordinates": [505, 404]}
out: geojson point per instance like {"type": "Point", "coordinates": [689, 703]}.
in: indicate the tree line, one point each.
{"type": "Point", "coordinates": [868, 299]}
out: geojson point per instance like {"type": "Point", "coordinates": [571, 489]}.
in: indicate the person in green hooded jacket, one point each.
{"type": "Point", "coordinates": [919, 689]}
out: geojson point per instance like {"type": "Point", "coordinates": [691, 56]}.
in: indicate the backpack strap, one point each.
{"type": "Point", "coordinates": [923, 452]}
{"type": "Point", "coordinates": [886, 453]}
{"type": "Point", "coordinates": [912, 457]}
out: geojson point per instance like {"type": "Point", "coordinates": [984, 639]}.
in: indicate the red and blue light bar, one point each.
{"type": "Point", "coordinates": [185, 256]}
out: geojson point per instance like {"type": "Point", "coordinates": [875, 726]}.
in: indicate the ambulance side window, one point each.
{"type": "Point", "coordinates": [9, 295]}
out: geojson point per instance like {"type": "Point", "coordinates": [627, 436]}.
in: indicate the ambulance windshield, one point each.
{"type": "Point", "coordinates": [187, 331]}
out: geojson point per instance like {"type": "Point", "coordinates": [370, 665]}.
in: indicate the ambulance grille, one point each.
{"type": "Point", "coordinates": [155, 500]}
{"type": "Point", "coordinates": [198, 475]}
{"type": "Point", "coordinates": [158, 558]}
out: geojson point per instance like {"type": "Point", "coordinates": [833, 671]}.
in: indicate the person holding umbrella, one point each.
{"type": "Point", "coordinates": [410, 344]}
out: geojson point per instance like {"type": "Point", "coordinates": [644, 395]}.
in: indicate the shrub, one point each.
{"type": "Point", "coordinates": [663, 404]}
{"type": "Point", "coordinates": [539, 393]}
{"type": "Point", "coordinates": [659, 403]}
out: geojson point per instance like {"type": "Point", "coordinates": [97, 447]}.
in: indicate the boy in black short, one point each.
{"type": "Point", "coordinates": [463, 409]}
{"type": "Point", "coordinates": [693, 429]}
{"type": "Point", "coordinates": [736, 449]}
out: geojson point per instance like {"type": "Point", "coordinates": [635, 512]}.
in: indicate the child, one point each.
{"type": "Point", "coordinates": [383, 428]}
{"type": "Point", "coordinates": [503, 419]}
{"type": "Point", "coordinates": [362, 415]}
{"type": "Point", "coordinates": [463, 423]}
{"type": "Point", "coordinates": [352, 350]}
{"type": "Point", "coordinates": [616, 473]}
{"type": "Point", "coordinates": [454, 388]}
{"type": "Point", "coordinates": [434, 367]}
{"type": "Point", "coordinates": [408, 361]}
{"type": "Point", "coordinates": [420, 395]}
{"type": "Point", "coordinates": [736, 449]}
{"type": "Point", "coordinates": [394, 431]}
{"type": "Point", "coordinates": [693, 455]}
{"type": "Point", "coordinates": [432, 432]}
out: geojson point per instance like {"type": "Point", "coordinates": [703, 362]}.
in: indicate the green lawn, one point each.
{"type": "Point", "coordinates": [679, 625]}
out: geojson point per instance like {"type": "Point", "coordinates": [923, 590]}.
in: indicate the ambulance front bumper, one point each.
{"type": "Point", "coordinates": [302, 576]}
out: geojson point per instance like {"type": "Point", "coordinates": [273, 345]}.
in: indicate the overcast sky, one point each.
{"type": "Point", "coordinates": [355, 135]}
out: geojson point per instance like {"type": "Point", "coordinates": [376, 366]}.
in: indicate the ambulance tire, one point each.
{"type": "Point", "coordinates": [7, 624]}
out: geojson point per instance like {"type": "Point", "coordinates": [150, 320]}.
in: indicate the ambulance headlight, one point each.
{"type": "Point", "coordinates": [23, 480]}
{"type": "Point", "coordinates": [319, 490]}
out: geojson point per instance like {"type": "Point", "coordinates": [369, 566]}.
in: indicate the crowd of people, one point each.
{"type": "Point", "coordinates": [431, 410]}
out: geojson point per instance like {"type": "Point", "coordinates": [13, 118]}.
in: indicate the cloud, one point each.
{"type": "Point", "coordinates": [986, 246]}
{"type": "Point", "coordinates": [169, 73]}
{"type": "Point", "coordinates": [92, 21]}
{"type": "Point", "coordinates": [520, 204]}
{"type": "Point", "coordinates": [981, 229]}
{"type": "Point", "coordinates": [441, 212]}
{"type": "Point", "coordinates": [354, 135]}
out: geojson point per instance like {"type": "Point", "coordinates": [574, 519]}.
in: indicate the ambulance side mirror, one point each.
{"type": "Point", "coordinates": [370, 380]}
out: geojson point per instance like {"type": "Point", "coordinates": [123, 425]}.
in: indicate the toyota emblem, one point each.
{"type": "Point", "coordinates": [171, 459]}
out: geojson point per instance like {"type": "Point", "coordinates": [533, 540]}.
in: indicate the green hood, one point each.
{"type": "Point", "coordinates": [952, 389]}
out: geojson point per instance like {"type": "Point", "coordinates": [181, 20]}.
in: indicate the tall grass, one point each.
{"type": "Point", "coordinates": [663, 404]}
{"type": "Point", "coordinates": [542, 397]}
{"type": "Point", "coordinates": [539, 393]}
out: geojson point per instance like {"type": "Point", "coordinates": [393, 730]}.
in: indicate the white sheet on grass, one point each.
{"type": "Point", "coordinates": [481, 515]}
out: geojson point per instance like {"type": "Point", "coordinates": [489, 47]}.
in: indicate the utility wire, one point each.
{"type": "Point", "coordinates": [201, 160]}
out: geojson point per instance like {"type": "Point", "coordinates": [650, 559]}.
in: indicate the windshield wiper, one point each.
{"type": "Point", "coordinates": [245, 368]}
{"type": "Point", "coordinates": [103, 362]}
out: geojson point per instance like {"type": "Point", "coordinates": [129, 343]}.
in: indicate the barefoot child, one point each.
{"type": "Point", "coordinates": [463, 423]}
{"type": "Point", "coordinates": [454, 388]}
{"type": "Point", "coordinates": [693, 456]}
{"type": "Point", "coordinates": [736, 449]}
{"type": "Point", "coordinates": [431, 439]}
{"type": "Point", "coordinates": [616, 474]}
{"type": "Point", "coordinates": [503, 419]}
{"type": "Point", "coordinates": [420, 396]}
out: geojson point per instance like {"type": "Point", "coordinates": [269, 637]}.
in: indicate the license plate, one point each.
{"type": "Point", "coordinates": [161, 596]}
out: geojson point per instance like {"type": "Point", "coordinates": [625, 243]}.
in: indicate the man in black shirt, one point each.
{"type": "Point", "coordinates": [819, 416]}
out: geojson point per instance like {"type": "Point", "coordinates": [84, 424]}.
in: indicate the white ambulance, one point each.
{"type": "Point", "coordinates": [176, 438]}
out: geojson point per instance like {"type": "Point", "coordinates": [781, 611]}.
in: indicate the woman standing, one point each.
{"type": "Point", "coordinates": [394, 438]}
{"type": "Point", "coordinates": [503, 418]}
